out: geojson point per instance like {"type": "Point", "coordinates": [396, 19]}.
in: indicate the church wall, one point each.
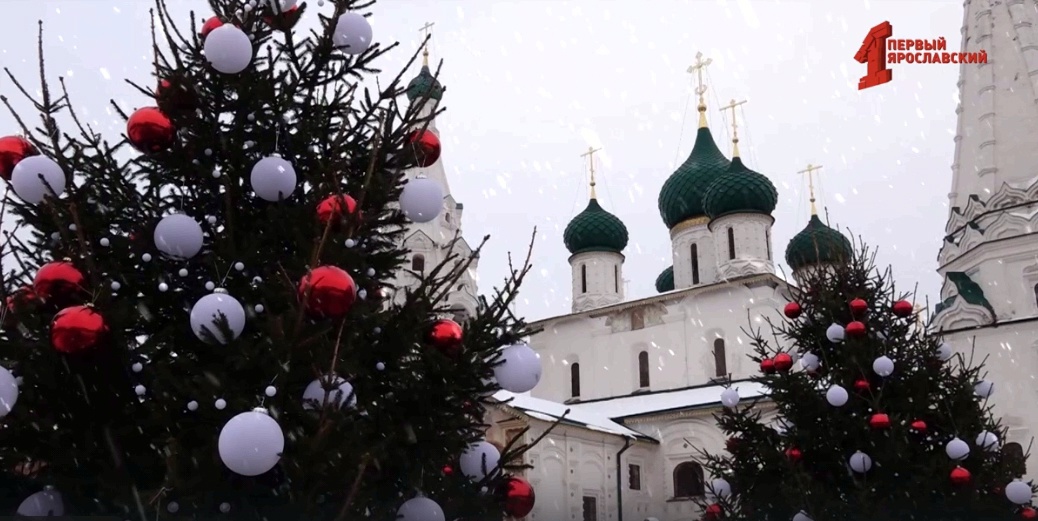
{"type": "Point", "coordinates": [681, 245]}
{"type": "Point", "coordinates": [597, 279]}
{"type": "Point", "coordinates": [753, 250]}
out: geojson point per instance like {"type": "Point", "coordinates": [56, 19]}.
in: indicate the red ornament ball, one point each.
{"type": "Point", "coordinates": [862, 385]}
{"type": "Point", "coordinates": [12, 150]}
{"type": "Point", "coordinates": [792, 310]}
{"type": "Point", "coordinates": [960, 476]}
{"type": "Point", "coordinates": [174, 97]}
{"type": "Point", "coordinates": [783, 362]}
{"type": "Point", "coordinates": [445, 336]}
{"type": "Point", "coordinates": [793, 454]}
{"type": "Point", "coordinates": [1028, 513]}
{"type": "Point", "coordinates": [283, 21]}
{"type": "Point", "coordinates": [767, 366]}
{"type": "Point", "coordinates": [713, 512]}
{"type": "Point", "coordinates": [517, 495]}
{"type": "Point", "coordinates": [210, 25]}
{"type": "Point", "coordinates": [448, 470]}
{"type": "Point", "coordinates": [918, 426]}
{"type": "Point", "coordinates": [77, 329]}
{"type": "Point", "coordinates": [879, 421]}
{"type": "Point", "coordinates": [327, 292]}
{"type": "Point", "coordinates": [855, 329]}
{"type": "Point", "coordinates": [59, 283]}
{"type": "Point", "coordinates": [902, 308]}
{"type": "Point", "coordinates": [335, 208]}
{"type": "Point", "coordinates": [19, 301]}
{"type": "Point", "coordinates": [859, 306]}
{"type": "Point", "coordinates": [149, 130]}
{"type": "Point", "coordinates": [426, 147]}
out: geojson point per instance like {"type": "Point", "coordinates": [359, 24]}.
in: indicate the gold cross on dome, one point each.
{"type": "Point", "coordinates": [590, 155]}
{"type": "Point", "coordinates": [810, 170]}
{"type": "Point", "coordinates": [698, 68]}
{"type": "Point", "coordinates": [426, 30]}
{"type": "Point", "coordinates": [735, 126]}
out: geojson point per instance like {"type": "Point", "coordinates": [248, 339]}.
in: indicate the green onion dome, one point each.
{"type": "Point", "coordinates": [681, 197]}
{"type": "Point", "coordinates": [740, 190]}
{"type": "Point", "coordinates": [665, 282]}
{"type": "Point", "coordinates": [595, 229]}
{"type": "Point", "coordinates": [424, 86]}
{"type": "Point", "coordinates": [817, 244]}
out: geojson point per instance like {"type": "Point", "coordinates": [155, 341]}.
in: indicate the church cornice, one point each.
{"type": "Point", "coordinates": [1003, 244]}
{"type": "Point", "coordinates": [695, 222]}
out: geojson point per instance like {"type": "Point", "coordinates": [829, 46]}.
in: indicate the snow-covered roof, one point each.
{"type": "Point", "coordinates": [607, 415]}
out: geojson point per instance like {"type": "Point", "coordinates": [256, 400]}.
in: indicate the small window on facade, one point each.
{"type": "Point", "coordinates": [695, 264]}
{"type": "Point", "coordinates": [643, 370]}
{"type": "Point", "coordinates": [767, 242]}
{"type": "Point", "coordinates": [634, 477]}
{"type": "Point", "coordinates": [720, 363]}
{"type": "Point", "coordinates": [418, 264]}
{"type": "Point", "coordinates": [590, 508]}
{"type": "Point", "coordinates": [574, 380]}
{"type": "Point", "coordinates": [688, 480]}
{"type": "Point", "coordinates": [1036, 294]}
{"type": "Point", "coordinates": [1014, 456]}
{"type": "Point", "coordinates": [583, 278]}
{"type": "Point", "coordinates": [447, 216]}
{"type": "Point", "coordinates": [616, 278]}
{"type": "Point", "coordinates": [731, 243]}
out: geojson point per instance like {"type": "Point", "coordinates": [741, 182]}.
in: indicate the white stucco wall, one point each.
{"type": "Point", "coordinates": [597, 279]}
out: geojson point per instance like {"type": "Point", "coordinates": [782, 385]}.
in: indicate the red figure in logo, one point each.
{"type": "Point", "coordinates": [873, 51]}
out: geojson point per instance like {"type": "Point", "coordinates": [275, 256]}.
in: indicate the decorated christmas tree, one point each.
{"type": "Point", "coordinates": [867, 417]}
{"type": "Point", "coordinates": [200, 321]}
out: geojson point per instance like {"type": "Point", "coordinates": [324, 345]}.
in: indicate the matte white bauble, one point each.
{"type": "Point", "coordinates": [984, 389]}
{"type": "Point", "coordinates": [836, 396]}
{"type": "Point", "coordinates": [957, 449]}
{"type": "Point", "coordinates": [478, 460]}
{"type": "Point", "coordinates": [210, 310]}
{"type": "Point", "coordinates": [421, 199]}
{"type": "Point", "coordinates": [730, 397]}
{"type": "Point", "coordinates": [835, 333]}
{"type": "Point", "coordinates": [721, 488]}
{"type": "Point", "coordinates": [988, 441]}
{"type": "Point", "coordinates": [944, 351]}
{"type": "Point", "coordinates": [273, 179]}
{"type": "Point", "coordinates": [420, 509]}
{"type": "Point", "coordinates": [810, 361]}
{"type": "Point", "coordinates": [801, 516]}
{"type": "Point", "coordinates": [35, 177]}
{"type": "Point", "coordinates": [1018, 492]}
{"type": "Point", "coordinates": [251, 443]}
{"type": "Point", "coordinates": [8, 391]}
{"type": "Point", "coordinates": [352, 33]}
{"type": "Point", "coordinates": [45, 503]}
{"type": "Point", "coordinates": [179, 236]}
{"type": "Point", "coordinates": [519, 370]}
{"type": "Point", "coordinates": [860, 462]}
{"type": "Point", "coordinates": [228, 49]}
{"type": "Point", "coordinates": [336, 390]}
{"type": "Point", "coordinates": [883, 366]}
{"type": "Point", "coordinates": [280, 6]}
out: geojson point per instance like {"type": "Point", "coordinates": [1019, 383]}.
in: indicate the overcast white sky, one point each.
{"type": "Point", "coordinates": [532, 83]}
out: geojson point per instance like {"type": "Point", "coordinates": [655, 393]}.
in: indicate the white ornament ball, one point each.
{"type": "Point", "coordinates": [220, 404]}
{"type": "Point", "coordinates": [836, 396]}
{"type": "Point", "coordinates": [810, 361]}
{"type": "Point", "coordinates": [860, 462]}
{"type": "Point", "coordinates": [421, 199]}
{"type": "Point", "coordinates": [519, 370]}
{"type": "Point", "coordinates": [33, 179]}
{"type": "Point", "coordinates": [479, 460]}
{"type": "Point", "coordinates": [988, 441]}
{"type": "Point", "coordinates": [337, 396]}
{"type": "Point", "coordinates": [270, 391]}
{"type": "Point", "coordinates": [944, 351]}
{"type": "Point", "coordinates": [883, 366]}
{"type": "Point", "coordinates": [420, 509]}
{"type": "Point", "coordinates": [228, 49]}
{"type": "Point", "coordinates": [352, 33]}
{"type": "Point", "coordinates": [957, 449]}
{"type": "Point", "coordinates": [801, 516]}
{"type": "Point", "coordinates": [835, 333]}
{"type": "Point", "coordinates": [140, 390]}
{"type": "Point", "coordinates": [192, 405]}
{"type": "Point", "coordinates": [984, 389]}
{"type": "Point", "coordinates": [730, 397]}
{"type": "Point", "coordinates": [45, 503]}
{"type": "Point", "coordinates": [251, 443]}
{"type": "Point", "coordinates": [721, 488]}
{"type": "Point", "coordinates": [273, 179]}
{"type": "Point", "coordinates": [211, 309]}
{"type": "Point", "coordinates": [179, 236]}
{"type": "Point", "coordinates": [1017, 492]}
{"type": "Point", "coordinates": [8, 391]}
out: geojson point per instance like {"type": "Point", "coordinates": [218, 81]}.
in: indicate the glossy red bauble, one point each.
{"type": "Point", "coordinates": [59, 283]}
{"type": "Point", "coordinates": [19, 301]}
{"type": "Point", "coordinates": [335, 209]}
{"type": "Point", "coordinates": [792, 310]}
{"type": "Point", "coordinates": [425, 146]}
{"type": "Point", "coordinates": [12, 150]}
{"type": "Point", "coordinates": [149, 130]}
{"type": "Point", "coordinates": [902, 308]}
{"type": "Point", "coordinates": [445, 336]}
{"type": "Point", "coordinates": [713, 512]}
{"type": "Point", "coordinates": [767, 366]}
{"type": "Point", "coordinates": [175, 97]}
{"type": "Point", "coordinates": [862, 385]}
{"type": "Point", "coordinates": [517, 496]}
{"type": "Point", "coordinates": [793, 454]}
{"type": "Point", "coordinates": [783, 362]}
{"type": "Point", "coordinates": [960, 476]}
{"type": "Point", "coordinates": [448, 470]}
{"type": "Point", "coordinates": [918, 426]}
{"type": "Point", "coordinates": [1028, 513]}
{"type": "Point", "coordinates": [855, 329]}
{"type": "Point", "coordinates": [859, 307]}
{"type": "Point", "coordinates": [77, 329]}
{"type": "Point", "coordinates": [327, 292]}
{"type": "Point", "coordinates": [879, 421]}
{"type": "Point", "coordinates": [210, 25]}
{"type": "Point", "coordinates": [284, 21]}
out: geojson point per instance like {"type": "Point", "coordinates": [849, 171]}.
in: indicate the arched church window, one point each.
{"type": "Point", "coordinates": [616, 278]}
{"type": "Point", "coordinates": [1036, 294]}
{"type": "Point", "coordinates": [418, 264]}
{"type": "Point", "coordinates": [574, 380]}
{"type": "Point", "coordinates": [583, 278]}
{"type": "Point", "coordinates": [1014, 458]}
{"type": "Point", "coordinates": [447, 216]}
{"type": "Point", "coordinates": [695, 264]}
{"type": "Point", "coordinates": [767, 242]}
{"type": "Point", "coordinates": [688, 480]}
{"type": "Point", "coordinates": [720, 361]}
{"type": "Point", "coordinates": [643, 370]}
{"type": "Point", "coordinates": [731, 243]}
